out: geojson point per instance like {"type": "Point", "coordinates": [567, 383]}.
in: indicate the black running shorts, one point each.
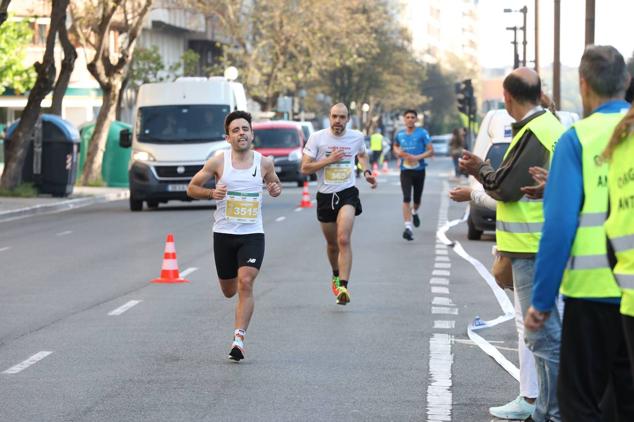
{"type": "Point", "coordinates": [329, 204]}
{"type": "Point", "coordinates": [412, 179]}
{"type": "Point", "coordinates": [232, 251]}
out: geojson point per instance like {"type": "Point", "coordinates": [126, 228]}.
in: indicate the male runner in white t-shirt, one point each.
{"type": "Point", "coordinates": [330, 153]}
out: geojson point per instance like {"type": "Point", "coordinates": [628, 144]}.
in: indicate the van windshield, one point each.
{"type": "Point", "coordinates": [181, 124]}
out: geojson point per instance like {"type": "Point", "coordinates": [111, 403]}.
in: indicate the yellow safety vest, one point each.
{"type": "Point", "coordinates": [588, 272]}
{"type": "Point", "coordinates": [620, 224]}
{"type": "Point", "coordinates": [519, 224]}
{"type": "Point", "coordinates": [376, 142]}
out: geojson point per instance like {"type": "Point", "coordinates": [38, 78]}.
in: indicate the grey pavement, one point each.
{"type": "Point", "coordinates": [13, 208]}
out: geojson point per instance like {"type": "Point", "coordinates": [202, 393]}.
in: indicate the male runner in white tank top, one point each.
{"type": "Point", "coordinates": [238, 232]}
{"type": "Point", "coordinates": [330, 153]}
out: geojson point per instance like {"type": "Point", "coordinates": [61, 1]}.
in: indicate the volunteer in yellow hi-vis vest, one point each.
{"type": "Point", "coordinates": [572, 256]}
{"type": "Point", "coordinates": [519, 223]}
{"type": "Point", "coordinates": [376, 146]}
{"type": "Point", "coordinates": [520, 220]}
{"type": "Point", "coordinates": [620, 223]}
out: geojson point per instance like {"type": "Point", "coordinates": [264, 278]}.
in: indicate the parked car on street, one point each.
{"type": "Point", "coordinates": [440, 143]}
{"type": "Point", "coordinates": [284, 141]}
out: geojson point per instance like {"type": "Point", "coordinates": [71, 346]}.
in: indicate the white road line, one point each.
{"type": "Point", "coordinates": [443, 301]}
{"type": "Point", "coordinates": [298, 209]}
{"type": "Point", "coordinates": [278, 219]}
{"type": "Point", "coordinates": [442, 252]}
{"type": "Point", "coordinates": [442, 258]}
{"type": "Point", "coordinates": [439, 396]}
{"type": "Point", "coordinates": [439, 290]}
{"type": "Point", "coordinates": [439, 280]}
{"type": "Point", "coordinates": [30, 361]}
{"type": "Point", "coordinates": [444, 324]}
{"type": "Point", "coordinates": [6, 248]}
{"type": "Point", "coordinates": [67, 232]}
{"type": "Point", "coordinates": [471, 342]}
{"type": "Point", "coordinates": [442, 265]}
{"type": "Point", "coordinates": [188, 271]}
{"type": "Point", "coordinates": [123, 308]}
{"type": "Point", "coordinates": [441, 272]}
{"type": "Point", "coordinates": [443, 310]}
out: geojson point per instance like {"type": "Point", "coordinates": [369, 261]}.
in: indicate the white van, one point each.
{"type": "Point", "coordinates": [177, 127]}
{"type": "Point", "coordinates": [493, 140]}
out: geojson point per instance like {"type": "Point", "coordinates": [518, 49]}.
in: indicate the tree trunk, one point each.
{"type": "Point", "coordinates": [68, 64]}
{"type": "Point", "coordinates": [94, 157]}
{"type": "Point", "coordinates": [121, 97]}
{"type": "Point", "coordinates": [18, 145]}
{"type": "Point", "coordinates": [4, 5]}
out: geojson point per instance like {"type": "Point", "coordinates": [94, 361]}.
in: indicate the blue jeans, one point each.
{"type": "Point", "coordinates": [543, 343]}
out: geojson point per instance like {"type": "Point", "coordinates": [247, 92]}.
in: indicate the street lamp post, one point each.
{"type": "Point", "coordinates": [516, 57]}
{"type": "Point", "coordinates": [365, 108]}
{"type": "Point", "coordinates": [523, 11]}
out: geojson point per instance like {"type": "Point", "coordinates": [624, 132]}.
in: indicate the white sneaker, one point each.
{"type": "Point", "coordinates": [516, 409]}
{"type": "Point", "coordinates": [237, 348]}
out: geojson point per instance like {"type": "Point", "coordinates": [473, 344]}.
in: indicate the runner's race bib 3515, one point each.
{"type": "Point", "coordinates": [337, 173]}
{"type": "Point", "coordinates": [242, 207]}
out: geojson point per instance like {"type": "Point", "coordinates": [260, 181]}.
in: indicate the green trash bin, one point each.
{"type": "Point", "coordinates": [114, 167]}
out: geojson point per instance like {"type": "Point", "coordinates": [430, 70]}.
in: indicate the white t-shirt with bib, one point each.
{"type": "Point", "coordinates": [240, 212]}
{"type": "Point", "coordinates": [341, 175]}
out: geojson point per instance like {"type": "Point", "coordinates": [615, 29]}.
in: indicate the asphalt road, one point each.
{"type": "Point", "coordinates": [398, 352]}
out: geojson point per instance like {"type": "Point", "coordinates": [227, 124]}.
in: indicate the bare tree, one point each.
{"type": "Point", "coordinates": [95, 22]}
{"type": "Point", "coordinates": [4, 6]}
{"type": "Point", "coordinates": [17, 148]}
{"type": "Point", "coordinates": [68, 64]}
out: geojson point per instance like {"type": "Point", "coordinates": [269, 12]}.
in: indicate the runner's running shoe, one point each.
{"type": "Point", "coordinates": [415, 220]}
{"type": "Point", "coordinates": [343, 296]}
{"type": "Point", "coordinates": [335, 284]}
{"type": "Point", "coordinates": [408, 235]}
{"type": "Point", "coordinates": [237, 348]}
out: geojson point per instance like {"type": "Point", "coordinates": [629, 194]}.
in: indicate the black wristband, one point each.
{"type": "Point", "coordinates": [367, 171]}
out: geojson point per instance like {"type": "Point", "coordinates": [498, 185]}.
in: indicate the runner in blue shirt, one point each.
{"type": "Point", "coordinates": [412, 145]}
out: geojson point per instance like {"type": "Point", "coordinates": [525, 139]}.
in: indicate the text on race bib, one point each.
{"type": "Point", "coordinates": [242, 207]}
{"type": "Point", "coordinates": [337, 173]}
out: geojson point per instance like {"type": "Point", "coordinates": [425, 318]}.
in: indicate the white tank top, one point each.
{"type": "Point", "coordinates": [240, 212]}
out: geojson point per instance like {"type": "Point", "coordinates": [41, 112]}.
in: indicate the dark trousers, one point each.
{"type": "Point", "coordinates": [593, 354]}
{"type": "Point", "coordinates": [628, 327]}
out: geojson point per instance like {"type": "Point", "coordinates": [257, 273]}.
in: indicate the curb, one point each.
{"type": "Point", "coordinates": [61, 206]}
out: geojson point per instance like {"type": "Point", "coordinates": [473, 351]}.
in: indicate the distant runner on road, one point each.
{"type": "Point", "coordinates": [330, 153]}
{"type": "Point", "coordinates": [238, 232]}
{"type": "Point", "coordinates": [412, 145]}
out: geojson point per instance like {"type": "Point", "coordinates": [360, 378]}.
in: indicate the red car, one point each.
{"type": "Point", "coordinates": [284, 141]}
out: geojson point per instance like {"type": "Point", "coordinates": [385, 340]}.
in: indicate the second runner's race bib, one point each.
{"type": "Point", "coordinates": [337, 173]}
{"type": "Point", "coordinates": [242, 207]}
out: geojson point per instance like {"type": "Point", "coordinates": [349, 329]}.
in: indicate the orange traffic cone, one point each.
{"type": "Point", "coordinates": [169, 269]}
{"type": "Point", "coordinates": [306, 202]}
{"type": "Point", "coordinates": [375, 169]}
{"type": "Point", "coordinates": [385, 168]}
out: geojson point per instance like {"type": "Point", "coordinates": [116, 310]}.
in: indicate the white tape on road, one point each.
{"type": "Point", "coordinates": [501, 297]}
{"type": "Point", "coordinates": [123, 308]}
{"type": "Point", "coordinates": [30, 361]}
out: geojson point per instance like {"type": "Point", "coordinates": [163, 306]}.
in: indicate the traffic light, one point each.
{"type": "Point", "coordinates": [464, 95]}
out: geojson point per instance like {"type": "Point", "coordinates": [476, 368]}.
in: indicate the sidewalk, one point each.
{"type": "Point", "coordinates": [13, 208]}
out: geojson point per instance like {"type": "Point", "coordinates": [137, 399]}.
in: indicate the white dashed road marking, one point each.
{"type": "Point", "coordinates": [188, 271]}
{"type": "Point", "coordinates": [6, 248]}
{"type": "Point", "coordinates": [278, 219]}
{"type": "Point", "coordinates": [30, 361]}
{"type": "Point", "coordinates": [65, 233]}
{"type": "Point", "coordinates": [123, 308]}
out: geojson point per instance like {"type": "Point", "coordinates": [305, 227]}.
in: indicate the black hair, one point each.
{"type": "Point", "coordinates": [411, 111]}
{"type": "Point", "coordinates": [238, 114]}
{"type": "Point", "coordinates": [521, 90]}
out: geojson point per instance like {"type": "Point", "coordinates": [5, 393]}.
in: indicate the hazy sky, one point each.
{"type": "Point", "coordinates": [613, 25]}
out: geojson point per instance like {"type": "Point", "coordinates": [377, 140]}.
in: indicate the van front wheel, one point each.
{"type": "Point", "coordinates": [135, 205]}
